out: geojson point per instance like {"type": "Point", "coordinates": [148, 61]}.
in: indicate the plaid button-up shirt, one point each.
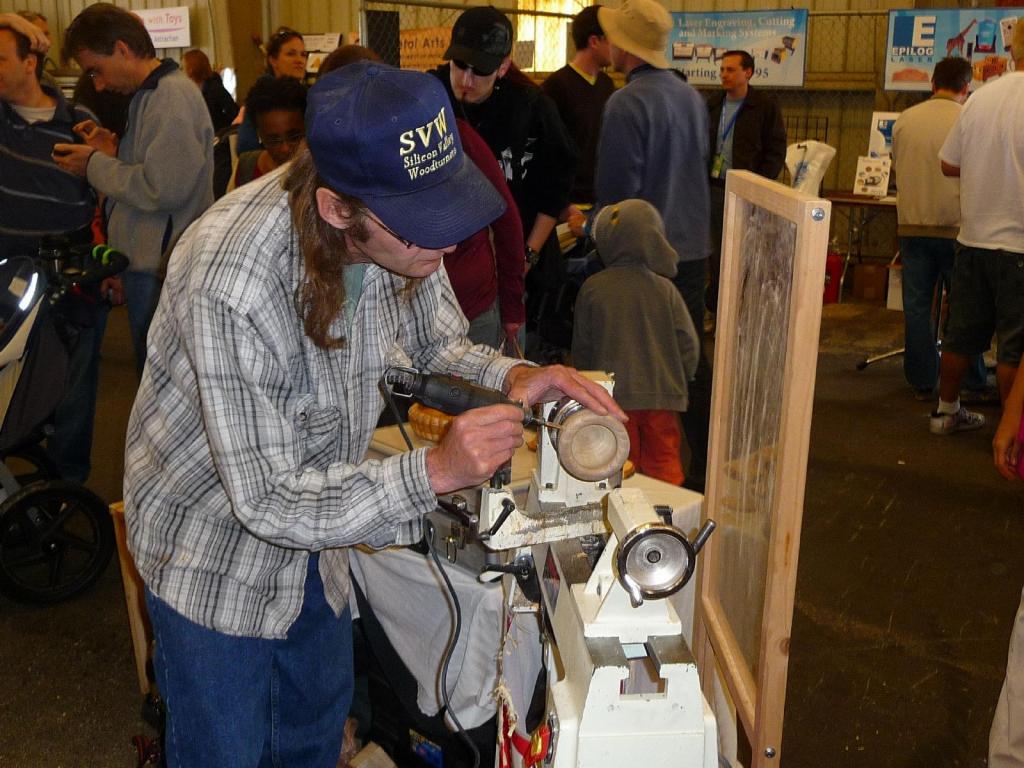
{"type": "Point", "coordinates": [246, 443]}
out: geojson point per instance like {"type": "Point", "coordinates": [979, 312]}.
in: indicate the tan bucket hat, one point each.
{"type": "Point", "coordinates": [640, 27]}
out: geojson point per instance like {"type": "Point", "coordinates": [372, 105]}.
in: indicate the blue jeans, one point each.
{"type": "Point", "coordinates": [691, 280]}
{"type": "Point", "coordinates": [141, 293]}
{"type": "Point", "coordinates": [70, 445]}
{"type": "Point", "coordinates": [248, 701]}
{"type": "Point", "coordinates": [927, 262]}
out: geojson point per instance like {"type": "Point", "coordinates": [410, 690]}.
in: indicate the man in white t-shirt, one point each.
{"type": "Point", "coordinates": [985, 148]}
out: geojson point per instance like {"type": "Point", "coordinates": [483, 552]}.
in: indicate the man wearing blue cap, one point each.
{"type": "Point", "coordinates": [245, 478]}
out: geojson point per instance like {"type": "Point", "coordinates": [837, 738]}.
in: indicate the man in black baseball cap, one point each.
{"type": "Point", "coordinates": [246, 478]}
{"type": "Point", "coordinates": [481, 37]}
{"type": "Point", "coordinates": [480, 52]}
{"type": "Point", "coordinates": [522, 127]}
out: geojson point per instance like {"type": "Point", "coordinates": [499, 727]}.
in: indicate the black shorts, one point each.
{"type": "Point", "coordinates": [986, 298]}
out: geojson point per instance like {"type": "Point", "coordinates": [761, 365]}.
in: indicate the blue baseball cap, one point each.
{"type": "Point", "coordinates": [388, 137]}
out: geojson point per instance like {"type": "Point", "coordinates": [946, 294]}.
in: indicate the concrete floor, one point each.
{"type": "Point", "coordinates": [910, 574]}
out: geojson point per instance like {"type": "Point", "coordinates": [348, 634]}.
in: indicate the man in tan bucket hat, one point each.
{"type": "Point", "coordinates": [654, 146]}
{"type": "Point", "coordinates": [639, 27]}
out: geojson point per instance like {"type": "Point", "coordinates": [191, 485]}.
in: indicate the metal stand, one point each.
{"type": "Point", "coordinates": [936, 321]}
{"type": "Point", "coordinates": [876, 358]}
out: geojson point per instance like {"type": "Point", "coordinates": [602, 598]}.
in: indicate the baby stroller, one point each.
{"type": "Point", "coordinates": [56, 537]}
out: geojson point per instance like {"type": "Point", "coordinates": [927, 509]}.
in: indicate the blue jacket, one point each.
{"type": "Point", "coordinates": [654, 146]}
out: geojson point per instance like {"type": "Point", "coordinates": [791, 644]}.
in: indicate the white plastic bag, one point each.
{"type": "Point", "coordinates": [807, 162]}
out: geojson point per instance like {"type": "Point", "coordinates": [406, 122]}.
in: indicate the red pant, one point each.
{"type": "Point", "coordinates": [654, 441]}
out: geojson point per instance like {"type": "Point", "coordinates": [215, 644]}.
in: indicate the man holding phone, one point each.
{"type": "Point", "coordinates": [158, 177]}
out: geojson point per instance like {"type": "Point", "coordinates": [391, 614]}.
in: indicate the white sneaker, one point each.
{"type": "Point", "coordinates": [962, 420]}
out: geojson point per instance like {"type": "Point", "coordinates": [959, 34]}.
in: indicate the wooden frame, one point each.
{"type": "Point", "coordinates": [755, 492]}
{"type": "Point", "coordinates": [135, 602]}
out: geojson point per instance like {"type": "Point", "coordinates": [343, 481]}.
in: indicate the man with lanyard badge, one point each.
{"type": "Point", "coordinates": [747, 133]}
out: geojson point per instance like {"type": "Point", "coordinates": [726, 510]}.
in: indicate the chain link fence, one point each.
{"type": "Point", "coordinates": [845, 63]}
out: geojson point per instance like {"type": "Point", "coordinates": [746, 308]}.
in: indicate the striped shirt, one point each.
{"type": "Point", "coordinates": [246, 443]}
{"type": "Point", "coordinates": [37, 198]}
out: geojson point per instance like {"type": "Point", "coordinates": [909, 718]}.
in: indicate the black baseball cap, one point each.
{"type": "Point", "coordinates": [482, 38]}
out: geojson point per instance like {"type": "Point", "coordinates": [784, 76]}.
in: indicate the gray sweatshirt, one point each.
{"type": "Point", "coordinates": [162, 177]}
{"type": "Point", "coordinates": [630, 318]}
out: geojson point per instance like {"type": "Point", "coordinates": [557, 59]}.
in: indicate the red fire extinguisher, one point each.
{"type": "Point", "coordinates": [833, 276]}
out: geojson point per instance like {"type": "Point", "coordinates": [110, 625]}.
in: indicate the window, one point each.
{"type": "Point", "coordinates": [543, 43]}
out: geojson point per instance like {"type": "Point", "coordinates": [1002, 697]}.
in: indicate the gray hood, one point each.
{"type": "Point", "coordinates": [631, 234]}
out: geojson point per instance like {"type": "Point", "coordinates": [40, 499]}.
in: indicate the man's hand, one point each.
{"type": "Point", "coordinates": [538, 385]}
{"type": "Point", "coordinates": [100, 139]}
{"type": "Point", "coordinates": [477, 443]}
{"type": "Point", "coordinates": [73, 158]}
{"type": "Point", "coordinates": [37, 41]}
{"type": "Point", "coordinates": [1005, 445]}
{"type": "Point", "coordinates": [112, 290]}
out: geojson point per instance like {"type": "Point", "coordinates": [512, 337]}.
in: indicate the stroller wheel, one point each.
{"type": "Point", "coordinates": [56, 539]}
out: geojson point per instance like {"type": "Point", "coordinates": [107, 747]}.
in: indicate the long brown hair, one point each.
{"type": "Point", "coordinates": [321, 294]}
{"type": "Point", "coordinates": [197, 66]}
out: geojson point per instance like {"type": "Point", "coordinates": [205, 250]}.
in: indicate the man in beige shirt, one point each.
{"type": "Point", "coordinates": [928, 211]}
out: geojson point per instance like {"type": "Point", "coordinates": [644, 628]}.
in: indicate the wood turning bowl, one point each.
{"type": "Point", "coordinates": [628, 470]}
{"type": "Point", "coordinates": [592, 447]}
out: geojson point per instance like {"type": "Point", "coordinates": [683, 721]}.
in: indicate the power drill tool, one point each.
{"type": "Point", "coordinates": [451, 394]}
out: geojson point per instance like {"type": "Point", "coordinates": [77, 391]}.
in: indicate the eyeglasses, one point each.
{"type": "Point", "coordinates": [386, 228]}
{"type": "Point", "coordinates": [476, 70]}
{"type": "Point", "coordinates": [293, 138]}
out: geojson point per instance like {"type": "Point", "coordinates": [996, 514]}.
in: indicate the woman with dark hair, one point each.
{"type": "Point", "coordinates": [223, 111]}
{"type": "Point", "coordinates": [278, 108]}
{"type": "Point", "coordinates": [286, 57]}
{"type": "Point", "coordinates": [222, 107]}
{"type": "Point", "coordinates": [286, 54]}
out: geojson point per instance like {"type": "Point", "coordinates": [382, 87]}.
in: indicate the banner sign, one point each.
{"type": "Point", "coordinates": [318, 47]}
{"type": "Point", "coordinates": [919, 39]}
{"type": "Point", "coordinates": [168, 27]}
{"type": "Point", "coordinates": [776, 39]}
{"type": "Point", "coordinates": [422, 49]}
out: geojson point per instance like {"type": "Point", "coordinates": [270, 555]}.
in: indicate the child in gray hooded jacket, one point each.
{"type": "Point", "coordinates": [630, 320]}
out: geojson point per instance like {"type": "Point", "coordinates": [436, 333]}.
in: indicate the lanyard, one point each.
{"type": "Point", "coordinates": [724, 133]}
